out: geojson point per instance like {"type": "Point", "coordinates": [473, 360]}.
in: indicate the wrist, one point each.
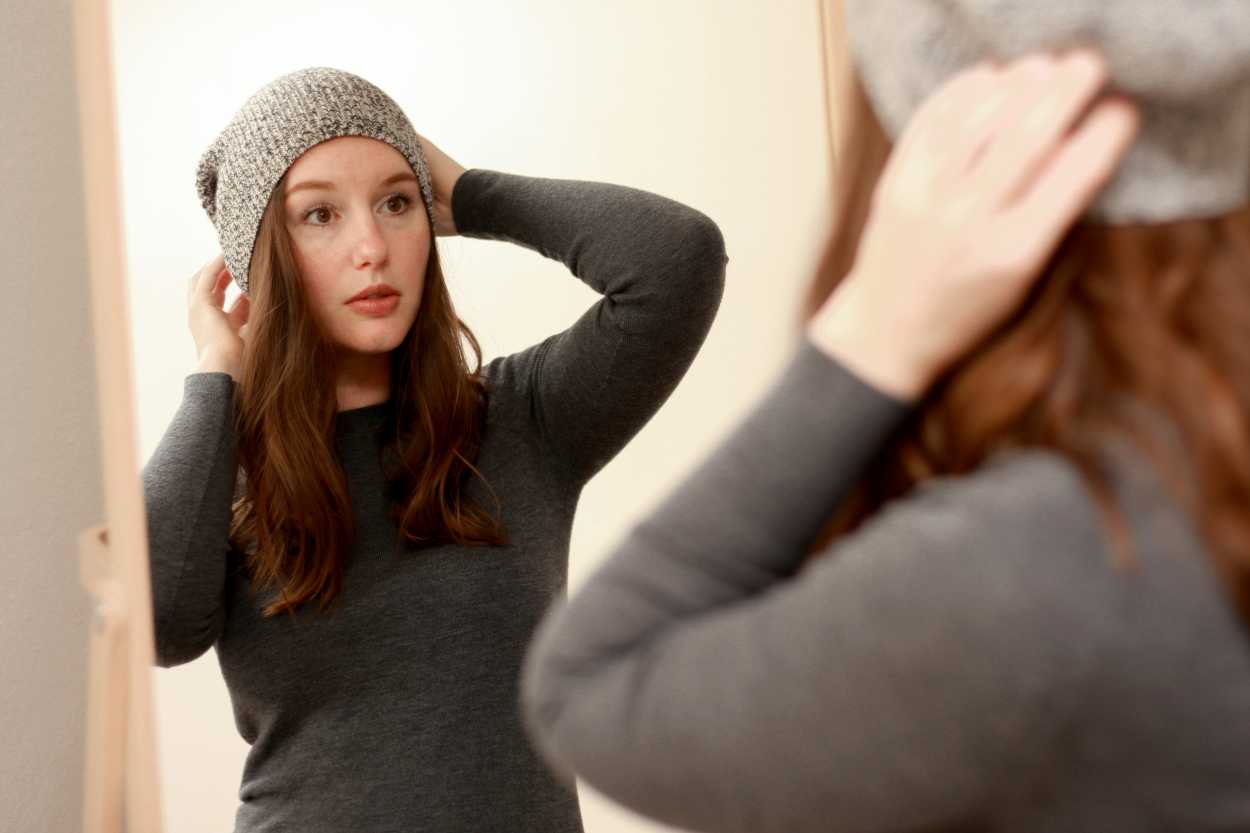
{"type": "Point", "coordinates": [845, 330]}
{"type": "Point", "coordinates": [218, 361]}
{"type": "Point", "coordinates": [447, 208]}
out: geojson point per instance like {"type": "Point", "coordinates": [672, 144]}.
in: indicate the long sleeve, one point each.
{"type": "Point", "coordinates": [189, 484]}
{"type": "Point", "coordinates": [903, 682]}
{"type": "Point", "coordinates": [660, 268]}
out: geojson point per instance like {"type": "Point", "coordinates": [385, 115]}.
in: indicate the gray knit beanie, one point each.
{"type": "Point", "coordinates": [1187, 65]}
{"type": "Point", "coordinates": [237, 173]}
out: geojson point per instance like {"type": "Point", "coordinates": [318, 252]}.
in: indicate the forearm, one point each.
{"type": "Point", "coordinates": [657, 258]}
{"type": "Point", "coordinates": [188, 488]}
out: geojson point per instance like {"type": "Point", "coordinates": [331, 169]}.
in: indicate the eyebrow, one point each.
{"type": "Point", "coordinates": [329, 186]}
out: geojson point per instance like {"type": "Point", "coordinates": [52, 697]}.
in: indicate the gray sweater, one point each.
{"type": "Point", "coordinates": [970, 659]}
{"type": "Point", "coordinates": [399, 711]}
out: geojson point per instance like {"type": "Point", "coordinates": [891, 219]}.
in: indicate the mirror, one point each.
{"type": "Point", "coordinates": [722, 109]}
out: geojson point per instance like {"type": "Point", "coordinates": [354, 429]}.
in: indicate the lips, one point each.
{"type": "Point", "coordinates": [381, 290]}
{"type": "Point", "coordinates": [377, 307]}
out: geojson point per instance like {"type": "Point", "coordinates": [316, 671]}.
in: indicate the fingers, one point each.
{"type": "Point", "coordinates": [202, 273]}
{"type": "Point", "coordinates": [950, 101]}
{"type": "Point", "coordinates": [981, 121]}
{"type": "Point", "coordinates": [433, 154]}
{"type": "Point", "coordinates": [1073, 176]}
{"type": "Point", "coordinates": [1047, 97]}
{"type": "Point", "coordinates": [983, 113]}
{"type": "Point", "coordinates": [210, 281]}
{"type": "Point", "coordinates": [947, 108]}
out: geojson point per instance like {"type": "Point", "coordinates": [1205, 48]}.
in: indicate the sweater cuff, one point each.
{"type": "Point", "coordinates": [208, 382]}
{"type": "Point", "coordinates": [818, 378]}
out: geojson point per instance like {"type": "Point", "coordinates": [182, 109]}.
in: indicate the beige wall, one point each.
{"type": "Point", "coordinates": [50, 447]}
{"type": "Point", "coordinates": [717, 103]}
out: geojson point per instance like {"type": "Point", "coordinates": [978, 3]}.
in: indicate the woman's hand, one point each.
{"type": "Point", "coordinates": [219, 335]}
{"type": "Point", "coordinates": [444, 172]}
{"type": "Point", "coordinates": [982, 185]}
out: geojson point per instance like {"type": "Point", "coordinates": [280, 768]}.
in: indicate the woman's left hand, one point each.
{"type": "Point", "coordinates": [444, 172]}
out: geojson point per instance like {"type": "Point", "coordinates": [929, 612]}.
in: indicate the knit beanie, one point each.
{"type": "Point", "coordinates": [237, 173]}
{"type": "Point", "coordinates": [1186, 64]}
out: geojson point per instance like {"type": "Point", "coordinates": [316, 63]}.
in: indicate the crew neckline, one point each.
{"type": "Point", "coordinates": [362, 420]}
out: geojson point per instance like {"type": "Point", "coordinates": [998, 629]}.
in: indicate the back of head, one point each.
{"type": "Point", "coordinates": [1136, 329]}
{"type": "Point", "coordinates": [1187, 65]}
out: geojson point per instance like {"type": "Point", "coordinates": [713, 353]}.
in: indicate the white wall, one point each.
{"type": "Point", "coordinates": [717, 103]}
{"type": "Point", "coordinates": [50, 457]}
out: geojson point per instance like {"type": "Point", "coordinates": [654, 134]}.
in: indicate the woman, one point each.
{"type": "Point", "coordinates": [1020, 449]}
{"type": "Point", "coordinates": [401, 518]}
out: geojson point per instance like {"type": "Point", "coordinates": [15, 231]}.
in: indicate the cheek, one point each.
{"type": "Point", "coordinates": [417, 252]}
{"type": "Point", "coordinates": [319, 292]}
{"type": "Point", "coordinates": [415, 255]}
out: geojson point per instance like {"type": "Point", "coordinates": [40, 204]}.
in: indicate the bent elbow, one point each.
{"type": "Point", "coordinates": [697, 265]}
{"type": "Point", "coordinates": [705, 243]}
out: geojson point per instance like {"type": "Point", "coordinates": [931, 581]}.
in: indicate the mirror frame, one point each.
{"type": "Point", "coordinates": [120, 786]}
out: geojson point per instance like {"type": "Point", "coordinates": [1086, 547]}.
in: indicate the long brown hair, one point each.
{"type": "Point", "coordinates": [294, 523]}
{"type": "Point", "coordinates": [1123, 316]}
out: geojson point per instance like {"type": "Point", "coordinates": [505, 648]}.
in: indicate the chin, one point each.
{"type": "Point", "coordinates": [368, 337]}
{"type": "Point", "coordinates": [383, 341]}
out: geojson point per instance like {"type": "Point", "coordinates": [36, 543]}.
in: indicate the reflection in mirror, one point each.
{"type": "Point", "coordinates": [489, 319]}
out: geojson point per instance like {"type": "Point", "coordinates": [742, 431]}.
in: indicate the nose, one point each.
{"type": "Point", "coordinates": [370, 244]}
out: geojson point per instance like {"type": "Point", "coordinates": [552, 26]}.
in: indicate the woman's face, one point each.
{"type": "Point", "coordinates": [355, 216]}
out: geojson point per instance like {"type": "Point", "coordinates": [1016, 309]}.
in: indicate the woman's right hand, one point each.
{"type": "Point", "coordinates": [219, 334]}
{"type": "Point", "coordinates": [981, 186]}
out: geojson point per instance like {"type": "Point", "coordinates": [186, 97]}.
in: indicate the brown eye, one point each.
{"type": "Point", "coordinates": [402, 198]}
{"type": "Point", "coordinates": [317, 211]}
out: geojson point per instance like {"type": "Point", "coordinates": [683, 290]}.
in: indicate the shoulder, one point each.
{"type": "Point", "coordinates": [976, 598]}
{"type": "Point", "coordinates": [1009, 564]}
{"type": "Point", "coordinates": [1017, 506]}
{"type": "Point", "coordinates": [1017, 562]}
{"type": "Point", "coordinates": [1035, 514]}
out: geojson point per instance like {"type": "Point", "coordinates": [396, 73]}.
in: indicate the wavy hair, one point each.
{"type": "Point", "coordinates": [1126, 324]}
{"type": "Point", "coordinates": [293, 522]}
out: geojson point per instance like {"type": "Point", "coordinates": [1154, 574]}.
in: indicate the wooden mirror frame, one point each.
{"type": "Point", "coordinates": [120, 785]}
